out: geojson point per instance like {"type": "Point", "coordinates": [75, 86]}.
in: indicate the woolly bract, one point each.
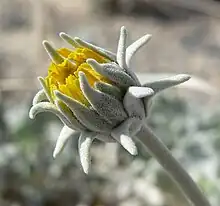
{"type": "Point", "coordinates": [95, 94]}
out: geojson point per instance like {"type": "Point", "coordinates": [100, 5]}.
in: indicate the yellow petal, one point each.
{"type": "Point", "coordinates": [64, 52]}
{"type": "Point", "coordinates": [64, 76]}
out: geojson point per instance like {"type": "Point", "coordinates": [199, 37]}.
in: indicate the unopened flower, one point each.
{"type": "Point", "coordinates": [95, 93]}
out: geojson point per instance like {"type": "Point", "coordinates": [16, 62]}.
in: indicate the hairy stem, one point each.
{"type": "Point", "coordinates": [157, 149]}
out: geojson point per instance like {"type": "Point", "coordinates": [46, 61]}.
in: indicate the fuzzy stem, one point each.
{"type": "Point", "coordinates": [157, 149]}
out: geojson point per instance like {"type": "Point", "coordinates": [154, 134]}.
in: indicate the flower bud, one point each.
{"type": "Point", "coordinates": [95, 93]}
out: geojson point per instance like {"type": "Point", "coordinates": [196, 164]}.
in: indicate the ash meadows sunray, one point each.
{"type": "Point", "coordinates": [95, 94]}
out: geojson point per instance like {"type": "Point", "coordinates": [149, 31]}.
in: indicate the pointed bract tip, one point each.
{"type": "Point", "coordinates": [183, 77]}
{"type": "Point", "coordinates": [62, 34]}
{"type": "Point", "coordinates": [84, 84]}
{"type": "Point", "coordinates": [47, 46]}
{"type": "Point", "coordinates": [82, 79]}
{"type": "Point", "coordinates": [62, 140]}
{"type": "Point", "coordinates": [40, 79]}
{"type": "Point", "coordinates": [68, 39]}
{"type": "Point", "coordinates": [55, 154]}
{"type": "Point", "coordinates": [45, 42]}
{"type": "Point", "coordinates": [57, 93]}
{"type": "Point", "coordinates": [31, 116]}
{"type": "Point", "coordinates": [53, 54]}
{"type": "Point", "coordinates": [85, 169]}
{"type": "Point", "coordinates": [141, 92]}
{"type": "Point", "coordinates": [134, 152]}
{"type": "Point", "coordinates": [123, 31]}
{"type": "Point", "coordinates": [148, 36]}
{"type": "Point", "coordinates": [128, 144]}
{"type": "Point", "coordinates": [94, 64]}
{"type": "Point", "coordinates": [123, 28]}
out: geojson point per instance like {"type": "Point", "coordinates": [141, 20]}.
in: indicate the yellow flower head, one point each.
{"type": "Point", "coordinates": [63, 72]}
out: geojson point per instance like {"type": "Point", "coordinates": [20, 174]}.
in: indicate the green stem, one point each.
{"type": "Point", "coordinates": [157, 149]}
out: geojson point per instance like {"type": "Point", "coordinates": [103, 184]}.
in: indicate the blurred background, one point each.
{"type": "Point", "coordinates": [186, 39]}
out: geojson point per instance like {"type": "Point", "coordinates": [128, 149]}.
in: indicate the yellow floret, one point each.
{"type": "Point", "coordinates": [64, 76]}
